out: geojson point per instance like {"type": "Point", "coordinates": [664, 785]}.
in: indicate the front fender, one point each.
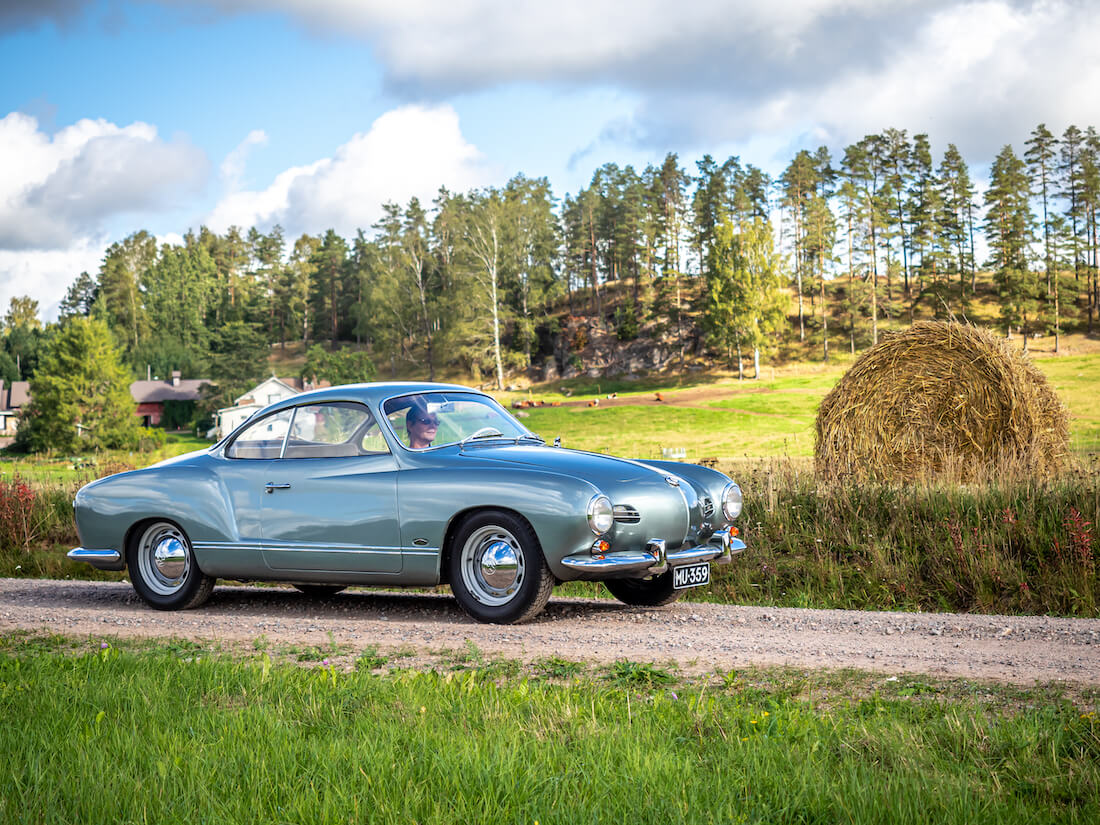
{"type": "Point", "coordinates": [429, 501]}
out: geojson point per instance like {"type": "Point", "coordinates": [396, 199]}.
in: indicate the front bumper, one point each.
{"type": "Point", "coordinates": [654, 559]}
{"type": "Point", "coordinates": [100, 559]}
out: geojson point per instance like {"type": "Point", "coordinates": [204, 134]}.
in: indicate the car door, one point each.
{"type": "Point", "coordinates": [243, 473]}
{"type": "Point", "coordinates": [330, 499]}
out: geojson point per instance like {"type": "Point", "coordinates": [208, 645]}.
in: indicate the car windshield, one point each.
{"type": "Point", "coordinates": [436, 419]}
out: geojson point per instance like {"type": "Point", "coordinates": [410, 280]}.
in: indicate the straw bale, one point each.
{"type": "Point", "coordinates": [941, 400]}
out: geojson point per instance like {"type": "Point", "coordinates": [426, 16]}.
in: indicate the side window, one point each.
{"type": "Point", "coordinates": [330, 430]}
{"type": "Point", "coordinates": [263, 438]}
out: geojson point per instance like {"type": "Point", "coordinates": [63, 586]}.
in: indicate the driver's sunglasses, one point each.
{"type": "Point", "coordinates": [431, 421]}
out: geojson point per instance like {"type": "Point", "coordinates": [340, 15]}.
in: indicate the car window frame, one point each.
{"type": "Point", "coordinates": [355, 438]}
{"type": "Point", "coordinates": [384, 416]}
{"type": "Point", "coordinates": [232, 438]}
{"type": "Point", "coordinates": [247, 425]}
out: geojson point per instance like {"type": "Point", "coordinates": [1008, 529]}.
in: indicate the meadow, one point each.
{"type": "Point", "coordinates": [99, 730]}
{"type": "Point", "coordinates": [729, 419]}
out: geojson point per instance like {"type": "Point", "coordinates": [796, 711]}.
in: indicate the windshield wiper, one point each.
{"type": "Point", "coordinates": [530, 436]}
{"type": "Point", "coordinates": [484, 432]}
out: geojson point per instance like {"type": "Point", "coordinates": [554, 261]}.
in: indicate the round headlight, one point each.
{"type": "Point", "coordinates": [601, 516]}
{"type": "Point", "coordinates": [731, 501]}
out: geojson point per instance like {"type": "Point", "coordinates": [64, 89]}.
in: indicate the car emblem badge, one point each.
{"type": "Point", "coordinates": [672, 481]}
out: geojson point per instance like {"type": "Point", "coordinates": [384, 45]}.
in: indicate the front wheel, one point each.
{"type": "Point", "coordinates": [652, 592]}
{"type": "Point", "coordinates": [496, 568]}
{"type": "Point", "coordinates": [163, 568]}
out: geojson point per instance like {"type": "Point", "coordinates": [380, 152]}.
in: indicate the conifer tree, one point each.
{"type": "Point", "coordinates": [80, 394]}
{"type": "Point", "coordinates": [1008, 225]}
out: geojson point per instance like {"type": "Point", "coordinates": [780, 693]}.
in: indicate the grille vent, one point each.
{"type": "Point", "coordinates": [625, 514]}
{"type": "Point", "coordinates": [708, 507]}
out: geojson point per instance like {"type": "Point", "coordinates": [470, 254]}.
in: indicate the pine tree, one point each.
{"type": "Point", "coordinates": [957, 224]}
{"type": "Point", "coordinates": [80, 394]}
{"type": "Point", "coordinates": [744, 306]}
{"type": "Point", "coordinates": [1040, 157]}
{"type": "Point", "coordinates": [1008, 225]}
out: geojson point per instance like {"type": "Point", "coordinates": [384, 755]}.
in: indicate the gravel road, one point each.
{"type": "Point", "coordinates": [1022, 650]}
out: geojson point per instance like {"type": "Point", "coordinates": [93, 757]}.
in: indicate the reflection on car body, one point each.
{"type": "Point", "coordinates": [410, 484]}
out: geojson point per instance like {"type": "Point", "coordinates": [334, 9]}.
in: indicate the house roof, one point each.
{"type": "Point", "coordinates": [13, 396]}
{"type": "Point", "coordinates": [291, 385]}
{"type": "Point", "coordinates": [145, 392]}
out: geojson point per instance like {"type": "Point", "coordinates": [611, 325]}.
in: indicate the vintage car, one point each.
{"type": "Point", "coordinates": [410, 484]}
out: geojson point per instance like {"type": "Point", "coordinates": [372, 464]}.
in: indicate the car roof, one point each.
{"type": "Point", "coordinates": [372, 394]}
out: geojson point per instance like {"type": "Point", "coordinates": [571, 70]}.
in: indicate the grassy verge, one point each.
{"type": "Point", "coordinates": [172, 733]}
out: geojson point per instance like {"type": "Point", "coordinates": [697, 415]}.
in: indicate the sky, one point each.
{"type": "Point", "coordinates": [120, 115]}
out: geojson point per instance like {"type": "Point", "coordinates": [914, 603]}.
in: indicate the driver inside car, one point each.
{"type": "Point", "coordinates": [421, 427]}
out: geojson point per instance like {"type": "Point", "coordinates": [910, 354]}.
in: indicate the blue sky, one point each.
{"type": "Point", "coordinates": [118, 115]}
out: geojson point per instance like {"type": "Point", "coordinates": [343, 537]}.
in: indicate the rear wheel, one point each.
{"type": "Point", "coordinates": [163, 568]}
{"type": "Point", "coordinates": [320, 591]}
{"type": "Point", "coordinates": [496, 568]}
{"type": "Point", "coordinates": [652, 592]}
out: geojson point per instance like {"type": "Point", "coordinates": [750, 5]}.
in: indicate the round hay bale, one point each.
{"type": "Point", "coordinates": [941, 399]}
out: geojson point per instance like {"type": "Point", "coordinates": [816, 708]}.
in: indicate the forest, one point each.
{"type": "Point", "coordinates": [718, 256]}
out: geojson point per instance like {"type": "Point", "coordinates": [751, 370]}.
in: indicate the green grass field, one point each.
{"type": "Point", "coordinates": [766, 418]}
{"type": "Point", "coordinates": [176, 732]}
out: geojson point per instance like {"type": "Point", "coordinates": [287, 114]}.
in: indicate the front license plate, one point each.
{"type": "Point", "coordinates": [690, 575]}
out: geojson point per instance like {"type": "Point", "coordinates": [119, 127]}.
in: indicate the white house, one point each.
{"type": "Point", "coordinates": [267, 392]}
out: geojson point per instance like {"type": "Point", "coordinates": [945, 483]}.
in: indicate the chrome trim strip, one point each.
{"type": "Point", "coordinates": [654, 559]}
{"type": "Point", "coordinates": [328, 548]}
{"type": "Point", "coordinates": [92, 556]}
{"type": "Point", "coordinates": [702, 552]}
{"type": "Point", "coordinates": [622, 562]}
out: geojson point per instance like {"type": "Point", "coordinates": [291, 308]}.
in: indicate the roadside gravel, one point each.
{"type": "Point", "coordinates": [1022, 650]}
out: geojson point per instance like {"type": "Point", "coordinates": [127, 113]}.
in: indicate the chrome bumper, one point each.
{"type": "Point", "coordinates": [720, 548]}
{"type": "Point", "coordinates": [101, 559]}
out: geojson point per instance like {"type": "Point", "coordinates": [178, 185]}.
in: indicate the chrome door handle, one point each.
{"type": "Point", "coordinates": [271, 486]}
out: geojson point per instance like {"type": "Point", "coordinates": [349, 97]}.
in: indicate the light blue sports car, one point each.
{"type": "Point", "coordinates": [410, 484]}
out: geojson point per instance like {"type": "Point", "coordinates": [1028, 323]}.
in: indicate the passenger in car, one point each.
{"type": "Point", "coordinates": [421, 427]}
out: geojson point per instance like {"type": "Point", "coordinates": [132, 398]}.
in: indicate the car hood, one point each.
{"type": "Point", "coordinates": [601, 470]}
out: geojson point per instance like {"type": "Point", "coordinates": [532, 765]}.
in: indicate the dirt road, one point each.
{"type": "Point", "coordinates": [698, 637]}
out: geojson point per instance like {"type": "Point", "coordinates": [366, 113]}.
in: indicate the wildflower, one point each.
{"type": "Point", "coordinates": [753, 722]}
{"type": "Point", "coordinates": [673, 694]}
{"type": "Point", "coordinates": [103, 645]}
{"type": "Point", "coordinates": [423, 709]}
{"type": "Point", "coordinates": [324, 662]}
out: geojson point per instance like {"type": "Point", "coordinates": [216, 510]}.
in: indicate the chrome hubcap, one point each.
{"type": "Point", "coordinates": [492, 565]}
{"type": "Point", "coordinates": [164, 558]}
{"type": "Point", "coordinates": [499, 565]}
{"type": "Point", "coordinates": [170, 557]}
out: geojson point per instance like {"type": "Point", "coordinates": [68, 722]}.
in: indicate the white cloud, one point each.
{"type": "Point", "coordinates": [408, 152]}
{"type": "Point", "coordinates": [45, 275]}
{"type": "Point", "coordinates": [477, 42]}
{"type": "Point", "coordinates": [232, 167]}
{"type": "Point", "coordinates": [975, 72]}
{"type": "Point", "coordinates": [56, 190]}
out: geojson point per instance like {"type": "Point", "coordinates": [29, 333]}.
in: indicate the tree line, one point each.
{"type": "Point", "coordinates": [720, 255]}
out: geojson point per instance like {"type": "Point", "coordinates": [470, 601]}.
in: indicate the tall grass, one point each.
{"type": "Point", "coordinates": [173, 735]}
{"type": "Point", "coordinates": [1003, 546]}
